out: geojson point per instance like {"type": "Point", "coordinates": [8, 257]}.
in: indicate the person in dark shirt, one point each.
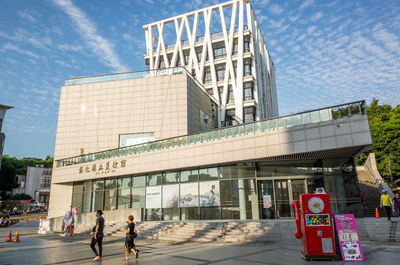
{"type": "Point", "coordinates": [130, 239]}
{"type": "Point", "coordinates": [396, 204]}
{"type": "Point", "coordinates": [98, 235]}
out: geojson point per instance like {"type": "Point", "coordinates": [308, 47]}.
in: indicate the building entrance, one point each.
{"type": "Point", "coordinates": [275, 196]}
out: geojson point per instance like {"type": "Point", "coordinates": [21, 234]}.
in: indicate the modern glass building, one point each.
{"type": "Point", "coordinates": [157, 144]}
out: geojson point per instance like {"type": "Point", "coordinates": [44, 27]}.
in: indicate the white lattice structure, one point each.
{"type": "Point", "coordinates": [231, 61]}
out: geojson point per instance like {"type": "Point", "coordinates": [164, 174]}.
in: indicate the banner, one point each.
{"type": "Point", "coordinates": [153, 197]}
{"type": "Point", "coordinates": [189, 195]}
{"type": "Point", "coordinates": [209, 193]}
{"type": "Point", "coordinates": [349, 241]}
{"type": "Point", "coordinates": [170, 196]}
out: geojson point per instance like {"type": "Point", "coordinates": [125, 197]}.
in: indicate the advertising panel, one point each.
{"type": "Point", "coordinates": [189, 195]}
{"type": "Point", "coordinates": [349, 241]}
{"type": "Point", "coordinates": [170, 196]}
{"type": "Point", "coordinates": [153, 197]}
{"type": "Point", "coordinates": [209, 193]}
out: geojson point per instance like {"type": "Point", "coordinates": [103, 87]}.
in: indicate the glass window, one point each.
{"type": "Point", "coordinates": [207, 77]}
{"type": "Point", "coordinates": [219, 52]}
{"type": "Point", "coordinates": [170, 177]}
{"type": "Point", "coordinates": [110, 194]}
{"type": "Point", "coordinates": [139, 181]}
{"type": "Point", "coordinates": [135, 138]}
{"type": "Point", "coordinates": [190, 213]}
{"type": "Point", "coordinates": [77, 195]}
{"type": "Point", "coordinates": [98, 195]}
{"type": "Point", "coordinates": [246, 47]}
{"type": "Point", "coordinates": [87, 196]}
{"type": "Point", "coordinates": [208, 173]}
{"type": "Point", "coordinates": [247, 69]}
{"type": "Point", "coordinates": [124, 192]}
{"type": "Point", "coordinates": [248, 91]}
{"type": "Point", "coordinates": [154, 214]}
{"type": "Point", "coordinates": [220, 74]}
{"type": "Point", "coordinates": [189, 175]}
{"type": "Point", "coordinates": [249, 114]}
{"type": "Point", "coordinates": [171, 214]}
{"type": "Point", "coordinates": [210, 213]}
{"type": "Point", "coordinates": [139, 197]}
{"type": "Point", "coordinates": [154, 180]}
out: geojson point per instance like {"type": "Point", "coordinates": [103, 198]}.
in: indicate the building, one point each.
{"type": "Point", "coordinates": [177, 169]}
{"type": "Point", "coordinates": [36, 183]}
{"type": "Point", "coordinates": [152, 142]}
{"type": "Point", "coordinates": [3, 110]}
{"type": "Point", "coordinates": [223, 48]}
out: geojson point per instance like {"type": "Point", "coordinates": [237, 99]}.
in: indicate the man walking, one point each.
{"type": "Point", "coordinates": [98, 235]}
{"type": "Point", "coordinates": [386, 202]}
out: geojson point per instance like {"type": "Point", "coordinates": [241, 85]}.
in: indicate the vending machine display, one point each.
{"type": "Point", "coordinates": [314, 226]}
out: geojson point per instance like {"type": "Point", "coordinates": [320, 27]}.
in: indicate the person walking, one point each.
{"type": "Point", "coordinates": [130, 239]}
{"type": "Point", "coordinates": [396, 204]}
{"type": "Point", "coordinates": [98, 235]}
{"type": "Point", "coordinates": [386, 202]}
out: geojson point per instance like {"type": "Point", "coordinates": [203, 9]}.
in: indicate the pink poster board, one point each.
{"type": "Point", "coordinates": [349, 240]}
{"type": "Point", "coordinates": [25, 201]}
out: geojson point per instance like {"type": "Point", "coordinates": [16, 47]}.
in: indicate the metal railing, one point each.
{"type": "Point", "coordinates": [288, 121]}
{"type": "Point", "coordinates": [124, 76]}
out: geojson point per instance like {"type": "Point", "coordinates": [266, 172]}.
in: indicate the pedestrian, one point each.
{"type": "Point", "coordinates": [130, 239]}
{"type": "Point", "coordinates": [396, 204]}
{"type": "Point", "coordinates": [386, 202]}
{"type": "Point", "coordinates": [98, 235]}
{"type": "Point", "coordinates": [362, 196]}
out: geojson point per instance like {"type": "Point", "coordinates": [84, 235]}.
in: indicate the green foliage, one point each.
{"type": "Point", "coordinates": [11, 167]}
{"type": "Point", "coordinates": [22, 196]}
{"type": "Point", "coordinates": [385, 129]}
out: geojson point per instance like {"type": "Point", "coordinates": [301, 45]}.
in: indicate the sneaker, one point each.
{"type": "Point", "coordinates": [96, 258]}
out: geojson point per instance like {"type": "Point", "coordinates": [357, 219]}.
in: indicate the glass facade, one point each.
{"type": "Point", "coordinates": [234, 191]}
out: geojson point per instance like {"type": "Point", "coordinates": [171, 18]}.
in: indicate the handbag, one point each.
{"type": "Point", "coordinates": [134, 235]}
{"type": "Point", "coordinates": [94, 229]}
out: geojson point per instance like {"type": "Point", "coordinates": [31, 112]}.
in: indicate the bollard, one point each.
{"type": "Point", "coordinates": [27, 220]}
{"type": "Point", "coordinates": [9, 239]}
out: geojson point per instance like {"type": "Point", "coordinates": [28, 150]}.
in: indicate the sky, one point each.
{"type": "Point", "coordinates": [325, 53]}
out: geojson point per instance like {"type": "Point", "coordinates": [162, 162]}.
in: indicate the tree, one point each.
{"type": "Point", "coordinates": [11, 167]}
{"type": "Point", "coordinates": [385, 130]}
{"type": "Point", "coordinates": [22, 196]}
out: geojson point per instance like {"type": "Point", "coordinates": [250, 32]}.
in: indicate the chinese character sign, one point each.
{"type": "Point", "coordinates": [349, 241]}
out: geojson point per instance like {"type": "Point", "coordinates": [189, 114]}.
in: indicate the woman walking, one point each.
{"type": "Point", "coordinates": [130, 239]}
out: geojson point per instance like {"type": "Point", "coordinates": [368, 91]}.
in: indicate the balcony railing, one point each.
{"type": "Point", "coordinates": [124, 76]}
{"type": "Point", "coordinates": [303, 118]}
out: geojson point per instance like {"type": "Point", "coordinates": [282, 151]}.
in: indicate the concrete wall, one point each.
{"type": "Point", "coordinates": [197, 100]}
{"type": "Point", "coordinates": [92, 116]}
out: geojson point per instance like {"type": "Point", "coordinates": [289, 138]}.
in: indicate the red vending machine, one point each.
{"type": "Point", "coordinates": [315, 226]}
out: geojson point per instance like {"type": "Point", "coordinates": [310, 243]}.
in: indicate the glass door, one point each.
{"type": "Point", "coordinates": [282, 198]}
{"type": "Point", "coordinates": [266, 200]}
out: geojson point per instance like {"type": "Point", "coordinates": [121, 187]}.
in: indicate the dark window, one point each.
{"type": "Point", "coordinates": [249, 114]}
{"type": "Point", "coordinates": [248, 91]}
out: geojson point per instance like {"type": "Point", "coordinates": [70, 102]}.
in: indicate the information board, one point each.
{"type": "Point", "coordinates": [349, 241]}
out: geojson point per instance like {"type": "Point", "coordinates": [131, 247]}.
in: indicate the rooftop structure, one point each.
{"type": "Point", "coordinates": [222, 46]}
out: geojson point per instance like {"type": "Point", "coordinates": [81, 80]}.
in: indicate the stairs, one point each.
{"type": "Point", "coordinates": [372, 199]}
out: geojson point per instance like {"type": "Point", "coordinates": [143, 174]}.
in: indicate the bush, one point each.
{"type": "Point", "coordinates": [22, 196]}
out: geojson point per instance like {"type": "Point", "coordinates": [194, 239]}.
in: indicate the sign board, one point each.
{"type": "Point", "coordinates": [45, 227]}
{"type": "Point", "coordinates": [349, 241]}
{"type": "Point", "coordinates": [25, 201]}
{"type": "Point", "coordinates": [267, 201]}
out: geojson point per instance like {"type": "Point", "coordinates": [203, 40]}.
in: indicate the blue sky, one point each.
{"type": "Point", "coordinates": [325, 52]}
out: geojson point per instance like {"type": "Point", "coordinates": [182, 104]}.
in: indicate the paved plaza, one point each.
{"type": "Point", "coordinates": [53, 249]}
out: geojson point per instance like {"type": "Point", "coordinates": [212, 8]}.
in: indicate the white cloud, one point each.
{"type": "Point", "coordinates": [12, 47]}
{"type": "Point", "coordinates": [306, 3]}
{"type": "Point", "coordinates": [88, 31]}
{"type": "Point", "coordinates": [311, 29]}
{"type": "Point", "coordinates": [261, 3]}
{"type": "Point", "coordinates": [317, 16]}
{"type": "Point", "coordinates": [68, 47]}
{"type": "Point", "coordinates": [28, 14]}
{"type": "Point", "coordinates": [294, 18]}
{"type": "Point", "coordinates": [275, 9]}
